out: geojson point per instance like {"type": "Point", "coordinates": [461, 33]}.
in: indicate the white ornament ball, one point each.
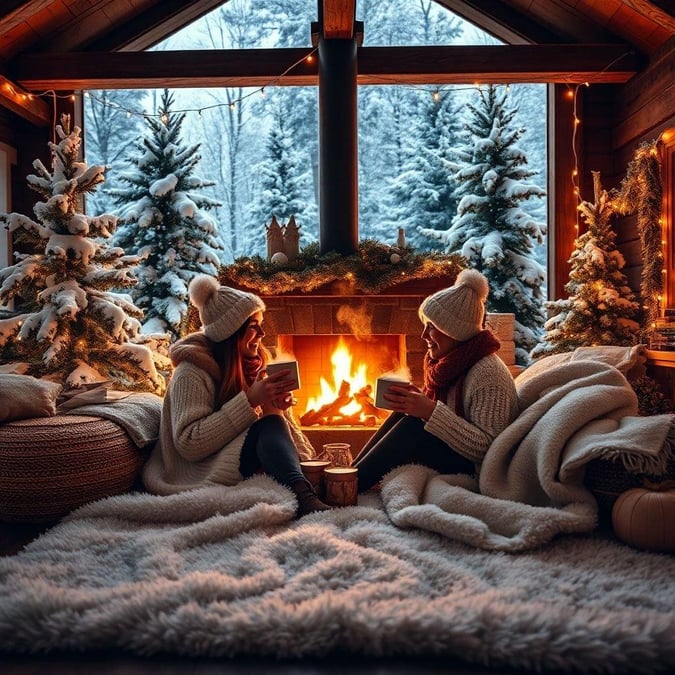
{"type": "Point", "coordinates": [279, 258]}
{"type": "Point", "coordinates": [395, 258]}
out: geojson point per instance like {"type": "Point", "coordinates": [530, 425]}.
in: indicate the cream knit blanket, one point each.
{"type": "Point", "coordinates": [531, 481]}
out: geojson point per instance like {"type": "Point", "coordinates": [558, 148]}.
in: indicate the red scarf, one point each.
{"type": "Point", "coordinates": [441, 374]}
{"type": "Point", "coordinates": [251, 366]}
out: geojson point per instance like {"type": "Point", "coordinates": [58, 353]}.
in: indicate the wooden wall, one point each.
{"type": "Point", "coordinates": [30, 142]}
{"type": "Point", "coordinates": [617, 120]}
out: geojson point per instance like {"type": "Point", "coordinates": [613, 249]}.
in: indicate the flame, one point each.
{"type": "Point", "coordinates": [341, 360]}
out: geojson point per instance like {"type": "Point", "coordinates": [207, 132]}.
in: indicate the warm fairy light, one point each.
{"type": "Point", "coordinates": [310, 58]}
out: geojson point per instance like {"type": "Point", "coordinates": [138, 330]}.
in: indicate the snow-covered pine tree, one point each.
{"type": "Point", "coordinates": [423, 192]}
{"type": "Point", "coordinates": [600, 308]}
{"type": "Point", "coordinates": [163, 218]}
{"type": "Point", "coordinates": [491, 229]}
{"type": "Point", "coordinates": [281, 181]}
{"type": "Point", "coordinates": [79, 330]}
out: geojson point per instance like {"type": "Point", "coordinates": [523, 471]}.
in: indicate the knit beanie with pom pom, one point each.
{"type": "Point", "coordinates": [222, 310]}
{"type": "Point", "coordinates": [458, 311]}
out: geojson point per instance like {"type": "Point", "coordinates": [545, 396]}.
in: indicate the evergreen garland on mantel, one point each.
{"type": "Point", "coordinates": [641, 193]}
{"type": "Point", "coordinates": [372, 269]}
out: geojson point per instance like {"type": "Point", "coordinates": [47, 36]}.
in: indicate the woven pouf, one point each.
{"type": "Point", "coordinates": [50, 465]}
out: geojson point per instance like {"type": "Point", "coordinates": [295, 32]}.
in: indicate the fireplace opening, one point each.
{"type": "Point", "coordinates": [338, 374]}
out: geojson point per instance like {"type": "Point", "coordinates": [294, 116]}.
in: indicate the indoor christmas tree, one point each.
{"type": "Point", "coordinates": [600, 308]}
{"type": "Point", "coordinates": [163, 219]}
{"type": "Point", "coordinates": [77, 330]}
{"type": "Point", "coordinates": [491, 229]}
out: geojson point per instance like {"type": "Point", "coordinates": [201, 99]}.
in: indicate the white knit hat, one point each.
{"type": "Point", "coordinates": [458, 311]}
{"type": "Point", "coordinates": [222, 310]}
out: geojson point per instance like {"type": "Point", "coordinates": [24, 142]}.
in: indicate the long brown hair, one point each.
{"type": "Point", "coordinates": [236, 371]}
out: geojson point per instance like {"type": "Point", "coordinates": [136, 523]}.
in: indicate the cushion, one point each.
{"type": "Point", "coordinates": [51, 465]}
{"type": "Point", "coordinates": [23, 396]}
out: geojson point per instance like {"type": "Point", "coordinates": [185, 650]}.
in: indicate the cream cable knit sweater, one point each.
{"type": "Point", "coordinates": [198, 445]}
{"type": "Point", "coordinates": [490, 405]}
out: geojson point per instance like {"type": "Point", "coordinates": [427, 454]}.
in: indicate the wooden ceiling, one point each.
{"type": "Point", "coordinates": [42, 44]}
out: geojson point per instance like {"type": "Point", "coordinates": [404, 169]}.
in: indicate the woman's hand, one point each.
{"type": "Point", "coordinates": [409, 399]}
{"type": "Point", "coordinates": [272, 393]}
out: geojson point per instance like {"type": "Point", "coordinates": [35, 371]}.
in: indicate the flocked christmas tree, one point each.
{"type": "Point", "coordinates": [164, 220]}
{"type": "Point", "coordinates": [600, 308]}
{"type": "Point", "coordinates": [492, 229]}
{"type": "Point", "coordinates": [78, 330]}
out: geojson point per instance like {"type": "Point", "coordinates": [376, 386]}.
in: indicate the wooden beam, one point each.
{"type": "Point", "coordinates": [652, 11]}
{"type": "Point", "coordinates": [13, 12]}
{"type": "Point", "coordinates": [565, 64]}
{"type": "Point", "coordinates": [338, 18]}
{"type": "Point", "coordinates": [23, 103]}
{"type": "Point", "coordinates": [376, 65]}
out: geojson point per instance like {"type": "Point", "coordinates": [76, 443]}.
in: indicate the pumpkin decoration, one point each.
{"type": "Point", "coordinates": [644, 517]}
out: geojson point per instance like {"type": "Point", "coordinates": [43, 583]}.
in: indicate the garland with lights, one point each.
{"type": "Point", "coordinates": [373, 268]}
{"type": "Point", "coordinates": [641, 192]}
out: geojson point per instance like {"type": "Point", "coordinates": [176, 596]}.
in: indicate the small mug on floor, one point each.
{"type": "Point", "coordinates": [341, 486]}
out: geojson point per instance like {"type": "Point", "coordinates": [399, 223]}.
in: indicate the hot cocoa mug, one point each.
{"type": "Point", "coordinates": [382, 385]}
{"type": "Point", "coordinates": [276, 366]}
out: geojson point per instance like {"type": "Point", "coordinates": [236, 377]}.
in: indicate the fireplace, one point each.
{"type": "Point", "coordinates": [383, 330]}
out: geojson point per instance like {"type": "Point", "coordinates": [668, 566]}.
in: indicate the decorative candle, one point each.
{"type": "Point", "coordinates": [313, 470]}
{"type": "Point", "coordinates": [341, 486]}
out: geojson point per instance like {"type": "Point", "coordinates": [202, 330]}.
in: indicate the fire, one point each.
{"type": "Point", "coordinates": [341, 360]}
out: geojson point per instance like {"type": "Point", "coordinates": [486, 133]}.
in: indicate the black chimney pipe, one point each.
{"type": "Point", "coordinates": [338, 159]}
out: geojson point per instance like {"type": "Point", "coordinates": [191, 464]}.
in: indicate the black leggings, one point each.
{"type": "Point", "coordinates": [403, 440]}
{"type": "Point", "coordinates": [269, 446]}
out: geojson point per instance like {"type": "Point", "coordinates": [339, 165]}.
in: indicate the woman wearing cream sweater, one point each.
{"type": "Point", "coordinates": [223, 419]}
{"type": "Point", "coordinates": [468, 397]}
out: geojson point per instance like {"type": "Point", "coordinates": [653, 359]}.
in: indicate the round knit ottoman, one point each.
{"type": "Point", "coordinates": [50, 465]}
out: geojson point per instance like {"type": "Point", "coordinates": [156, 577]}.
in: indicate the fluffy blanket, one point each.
{"type": "Point", "coordinates": [531, 482]}
{"type": "Point", "coordinates": [227, 571]}
{"type": "Point", "coordinates": [138, 414]}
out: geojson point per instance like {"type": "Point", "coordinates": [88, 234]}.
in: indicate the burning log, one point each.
{"type": "Point", "coordinates": [328, 410]}
{"type": "Point", "coordinates": [364, 398]}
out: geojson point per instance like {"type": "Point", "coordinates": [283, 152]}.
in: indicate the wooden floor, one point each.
{"type": "Point", "coordinates": [13, 537]}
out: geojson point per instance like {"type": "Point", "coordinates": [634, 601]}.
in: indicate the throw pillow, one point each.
{"type": "Point", "coordinates": [24, 396]}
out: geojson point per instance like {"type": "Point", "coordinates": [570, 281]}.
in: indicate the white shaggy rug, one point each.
{"type": "Point", "coordinates": [228, 571]}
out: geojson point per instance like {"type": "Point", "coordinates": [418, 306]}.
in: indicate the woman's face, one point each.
{"type": "Point", "coordinates": [438, 343]}
{"type": "Point", "coordinates": [254, 333]}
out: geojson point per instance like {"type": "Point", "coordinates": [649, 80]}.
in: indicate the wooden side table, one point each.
{"type": "Point", "coordinates": [661, 368]}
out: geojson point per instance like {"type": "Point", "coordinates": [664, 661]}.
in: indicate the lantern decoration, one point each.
{"type": "Point", "coordinates": [644, 517]}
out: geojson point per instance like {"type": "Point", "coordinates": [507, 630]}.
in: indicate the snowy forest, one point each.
{"type": "Point", "coordinates": [459, 168]}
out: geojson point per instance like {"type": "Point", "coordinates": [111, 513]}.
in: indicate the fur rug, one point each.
{"type": "Point", "coordinates": [228, 571]}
